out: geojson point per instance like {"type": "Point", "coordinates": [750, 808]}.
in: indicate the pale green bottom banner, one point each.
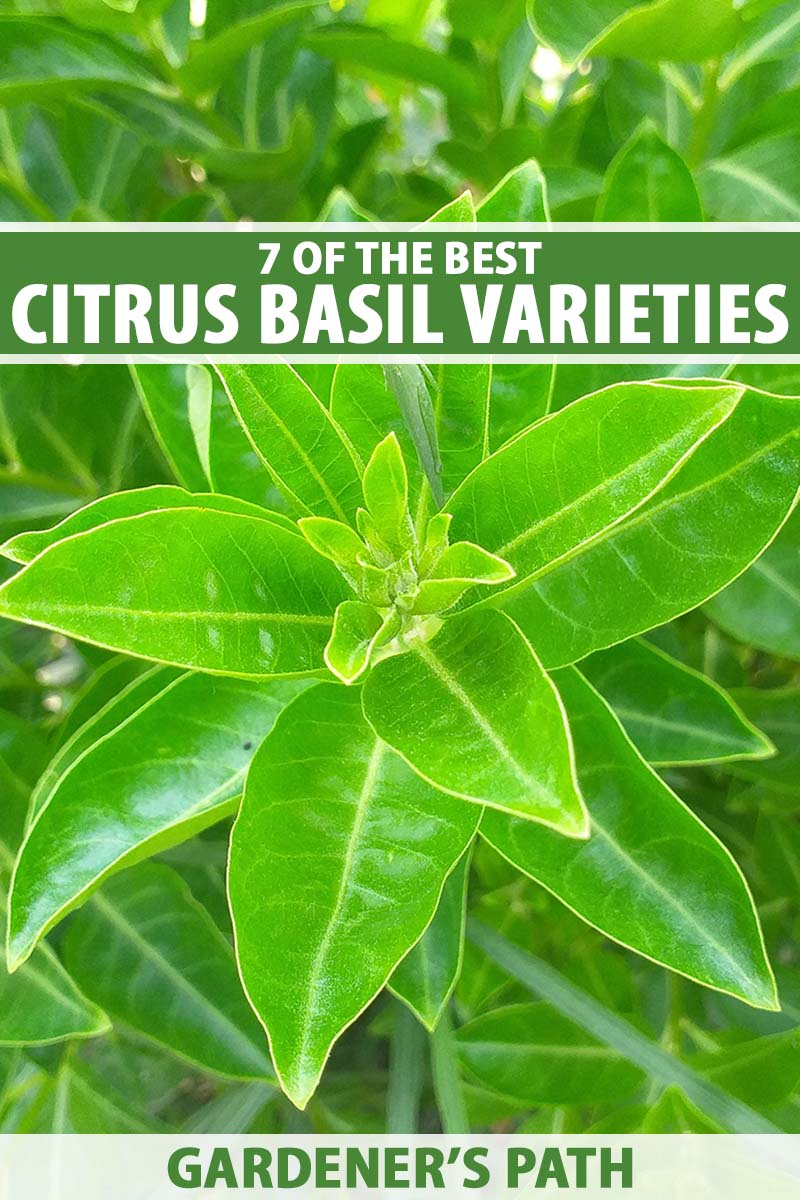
{"type": "Point", "coordinates": [659, 1167]}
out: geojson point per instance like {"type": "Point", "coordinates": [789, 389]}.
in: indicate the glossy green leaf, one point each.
{"type": "Point", "coordinates": [521, 195]}
{"type": "Point", "coordinates": [338, 859]}
{"type": "Point", "coordinates": [572, 478]}
{"type": "Point", "coordinates": [355, 628]}
{"type": "Point", "coordinates": [385, 486]}
{"type": "Point", "coordinates": [162, 762]}
{"type": "Point", "coordinates": [654, 30]}
{"type": "Point", "coordinates": [214, 58]}
{"type": "Point", "coordinates": [776, 712]}
{"type": "Point", "coordinates": [692, 538]}
{"type": "Point", "coordinates": [456, 569]}
{"type": "Point", "coordinates": [366, 51]}
{"type": "Point", "coordinates": [462, 419]}
{"type": "Point", "coordinates": [41, 1003]}
{"type": "Point", "coordinates": [762, 607]}
{"type": "Point", "coordinates": [530, 1053]}
{"type": "Point", "coordinates": [759, 182]}
{"type": "Point", "coordinates": [41, 58]}
{"type": "Point", "coordinates": [473, 712]}
{"type": "Point", "coordinates": [147, 951]}
{"type": "Point", "coordinates": [651, 875]}
{"type": "Point", "coordinates": [428, 974]}
{"type": "Point", "coordinates": [76, 1101]}
{"type": "Point", "coordinates": [366, 409]}
{"type": "Point", "coordinates": [672, 714]}
{"type": "Point", "coordinates": [316, 468]}
{"type": "Point", "coordinates": [25, 546]}
{"type": "Point", "coordinates": [466, 561]}
{"type": "Point", "coordinates": [132, 694]}
{"type": "Point", "coordinates": [220, 591]}
{"type": "Point", "coordinates": [649, 181]}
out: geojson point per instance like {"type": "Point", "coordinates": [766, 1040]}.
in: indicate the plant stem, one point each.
{"type": "Point", "coordinates": [704, 120]}
{"type": "Point", "coordinates": [446, 1078]}
{"type": "Point", "coordinates": [546, 982]}
{"type": "Point", "coordinates": [406, 1072]}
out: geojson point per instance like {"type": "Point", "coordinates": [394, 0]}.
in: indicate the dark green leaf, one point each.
{"type": "Point", "coordinates": [152, 956]}
{"type": "Point", "coordinates": [671, 713]}
{"type": "Point", "coordinates": [531, 1054]}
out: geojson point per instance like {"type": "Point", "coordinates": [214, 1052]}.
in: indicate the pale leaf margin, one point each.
{"type": "Point", "coordinates": [301, 1102]}
{"type": "Point", "coordinates": [768, 748]}
{"type": "Point", "coordinates": [775, 1007]}
{"type": "Point", "coordinates": [461, 947]}
{"type": "Point", "coordinates": [496, 600]}
{"type": "Point", "coordinates": [203, 814]}
{"type": "Point", "coordinates": [310, 619]}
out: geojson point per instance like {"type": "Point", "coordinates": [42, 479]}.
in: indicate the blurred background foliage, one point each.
{"type": "Point", "coordinates": [173, 111]}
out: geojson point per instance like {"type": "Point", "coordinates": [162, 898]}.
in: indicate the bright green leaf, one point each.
{"type": "Point", "coordinates": [653, 30]}
{"type": "Point", "coordinates": [521, 195]}
{"type": "Point", "coordinates": [672, 714]}
{"type": "Point", "coordinates": [156, 766]}
{"type": "Point", "coordinates": [650, 876]}
{"type": "Point", "coordinates": [692, 538]}
{"type": "Point", "coordinates": [355, 628]}
{"type": "Point", "coordinates": [296, 439]}
{"type": "Point", "coordinates": [338, 859]}
{"type": "Point", "coordinates": [571, 478]}
{"type": "Point", "coordinates": [428, 974]}
{"type": "Point", "coordinates": [220, 591]}
{"type": "Point", "coordinates": [649, 181]}
{"type": "Point", "coordinates": [385, 485]}
{"type": "Point", "coordinates": [25, 546]}
{"type": "Point", "coordinates": [473, 712]}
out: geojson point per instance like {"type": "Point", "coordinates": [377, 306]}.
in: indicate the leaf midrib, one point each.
{"type": "Point", "coordinates": [315, 972]}
{"type": "Point", "coordinates": [639, 516]}
{"type": "Point", "coordinates": [111, 610]}
{"type": "Point", "coordinates": [299, 450]}
{"type": "Point", "coordinates": [671, 900]}
{"type": "Point", "coordinates": [438, 669]}
{"type": "Point", "coordinates": [238, 1041]}
{"type": "Point", "coordinates": [631, 468]}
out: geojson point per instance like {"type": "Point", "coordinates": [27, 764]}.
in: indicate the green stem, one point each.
{"type": "Point", "coordinates": [706, 114]}
{"type": "Point", "coordinates": [22, 192]}
{"type": "Point", "coordinates": [548, 984]}
{"type": "Point", "coordinates": [447, 1079]}
{"type": "Point", "coordinates": [406, 1072]}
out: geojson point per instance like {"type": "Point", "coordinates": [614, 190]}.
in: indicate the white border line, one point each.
{"type": "Point", "coordinates": [363, 230]}
{"type": "Point", "coordinates": [322, 228]}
